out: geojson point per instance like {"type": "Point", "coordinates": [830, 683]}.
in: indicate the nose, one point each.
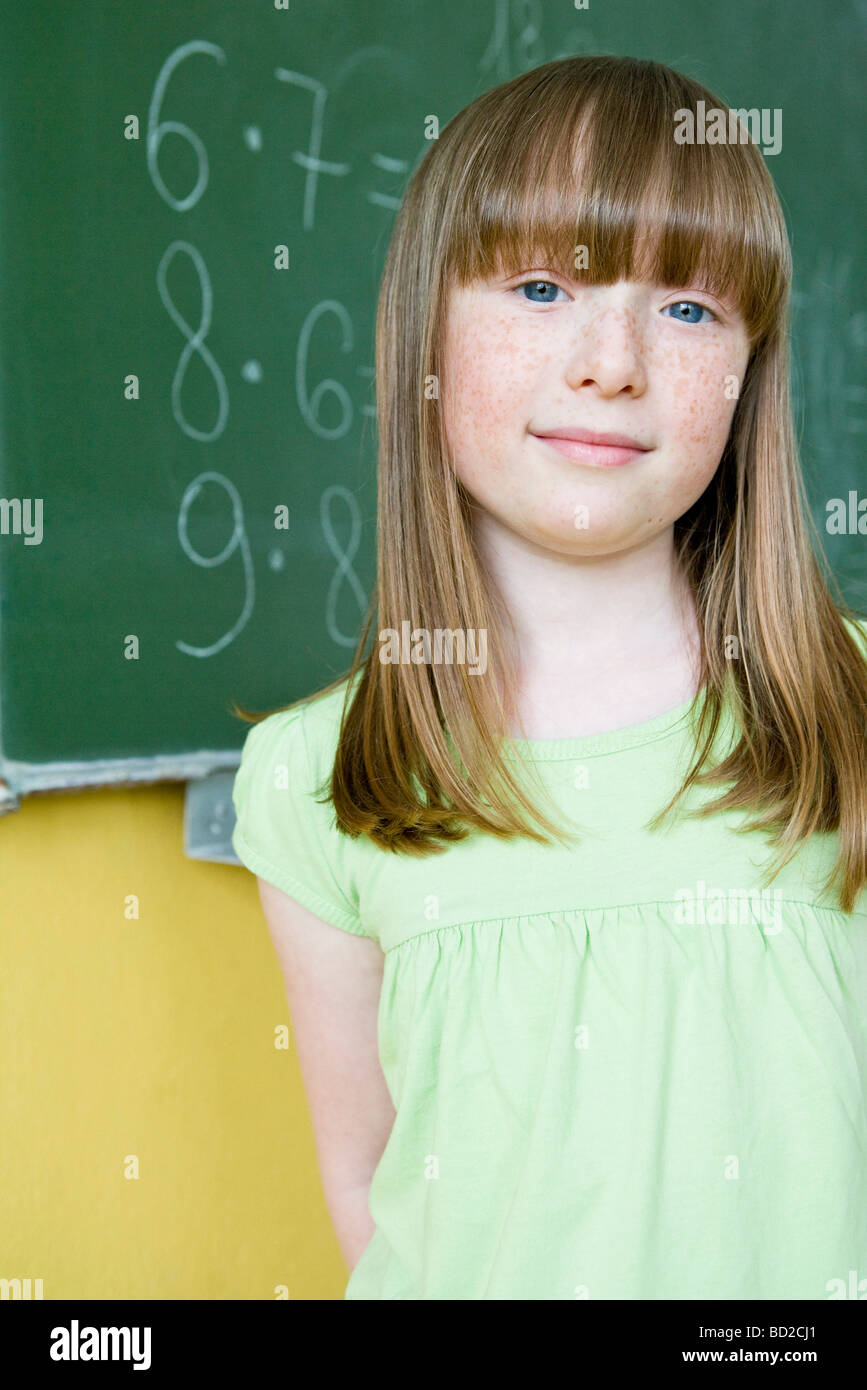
{"type": "Point", "coordinates": [606, 350]}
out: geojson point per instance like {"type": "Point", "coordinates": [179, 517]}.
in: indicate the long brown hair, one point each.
{"type": "Point", "coordinates": [418, 760]}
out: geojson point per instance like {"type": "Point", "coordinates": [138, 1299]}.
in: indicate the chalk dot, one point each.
{"type": "Point", "coordinates": [253, 137]}
{"type": "Point", "coordinates": [276, 559]}
{"type": "Point", "coordinates": [252, 370]}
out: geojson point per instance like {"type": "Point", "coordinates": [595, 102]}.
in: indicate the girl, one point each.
{"type": "Point", "coordinates": [613, 1062]}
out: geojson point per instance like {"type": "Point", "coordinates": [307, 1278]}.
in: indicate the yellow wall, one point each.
{"type": "Point", "coordinates": [153, 1038]}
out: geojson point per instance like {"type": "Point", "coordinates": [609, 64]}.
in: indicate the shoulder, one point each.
{"type": "Point", "coordinates": [321, 717]}
{"type": "Point", "coordinates": [301, 740]}
{"type": "Point", "coordinates": [285, 828]}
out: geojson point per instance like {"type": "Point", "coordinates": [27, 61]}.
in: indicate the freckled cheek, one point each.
{"type": "Point", "coordinates": [487, 381]}
{"type": "Point", "coordinates": [703, 403]}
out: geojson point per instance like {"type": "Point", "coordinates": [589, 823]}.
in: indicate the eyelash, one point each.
{"type": "Point", "coordinates": [537, 281]}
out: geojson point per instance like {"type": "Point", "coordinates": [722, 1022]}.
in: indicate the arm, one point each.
{"type": "Point", "coordinates": [333, 984]}
{"type": "Point", "coordinates": [351, 1219]}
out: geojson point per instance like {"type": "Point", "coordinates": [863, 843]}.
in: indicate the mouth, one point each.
{"type": "Point", "coordinates": [586, 446]}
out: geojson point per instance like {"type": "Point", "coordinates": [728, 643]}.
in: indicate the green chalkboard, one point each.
{"type": "Point", "coordinates": [166, 384]}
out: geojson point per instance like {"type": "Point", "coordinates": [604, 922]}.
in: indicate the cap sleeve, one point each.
{"type": "Point", "coordinates": [282, 834]}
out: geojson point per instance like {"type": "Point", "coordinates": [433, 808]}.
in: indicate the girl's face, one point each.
{"type": "Point", "coordinates": [537, 354]}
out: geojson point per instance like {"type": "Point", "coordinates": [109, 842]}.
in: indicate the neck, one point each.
{"type": "Point", "coordinates": [593, 632]}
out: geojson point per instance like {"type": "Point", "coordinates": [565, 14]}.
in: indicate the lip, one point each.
{"type": "Point", "coordinates": [586, 446]}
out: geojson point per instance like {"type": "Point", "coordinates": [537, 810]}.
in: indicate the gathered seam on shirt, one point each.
{"type": "Point", "coordinates": [609, 907]}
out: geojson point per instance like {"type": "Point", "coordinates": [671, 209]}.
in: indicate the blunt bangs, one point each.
{"type": "Point", "coordinates": [594, 163]}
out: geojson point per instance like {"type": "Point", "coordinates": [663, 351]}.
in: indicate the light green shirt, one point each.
{"type": "Point", "coordinates": [620, 1069]}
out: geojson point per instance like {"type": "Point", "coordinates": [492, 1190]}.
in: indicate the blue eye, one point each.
{"type": "Point", "coordinates": [688, 304]}
{"type": "Point", "coordinates": [543, 286]}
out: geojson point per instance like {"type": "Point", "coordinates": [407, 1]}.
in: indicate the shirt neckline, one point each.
{"type": "Point", "coordinates": [609, 741]}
